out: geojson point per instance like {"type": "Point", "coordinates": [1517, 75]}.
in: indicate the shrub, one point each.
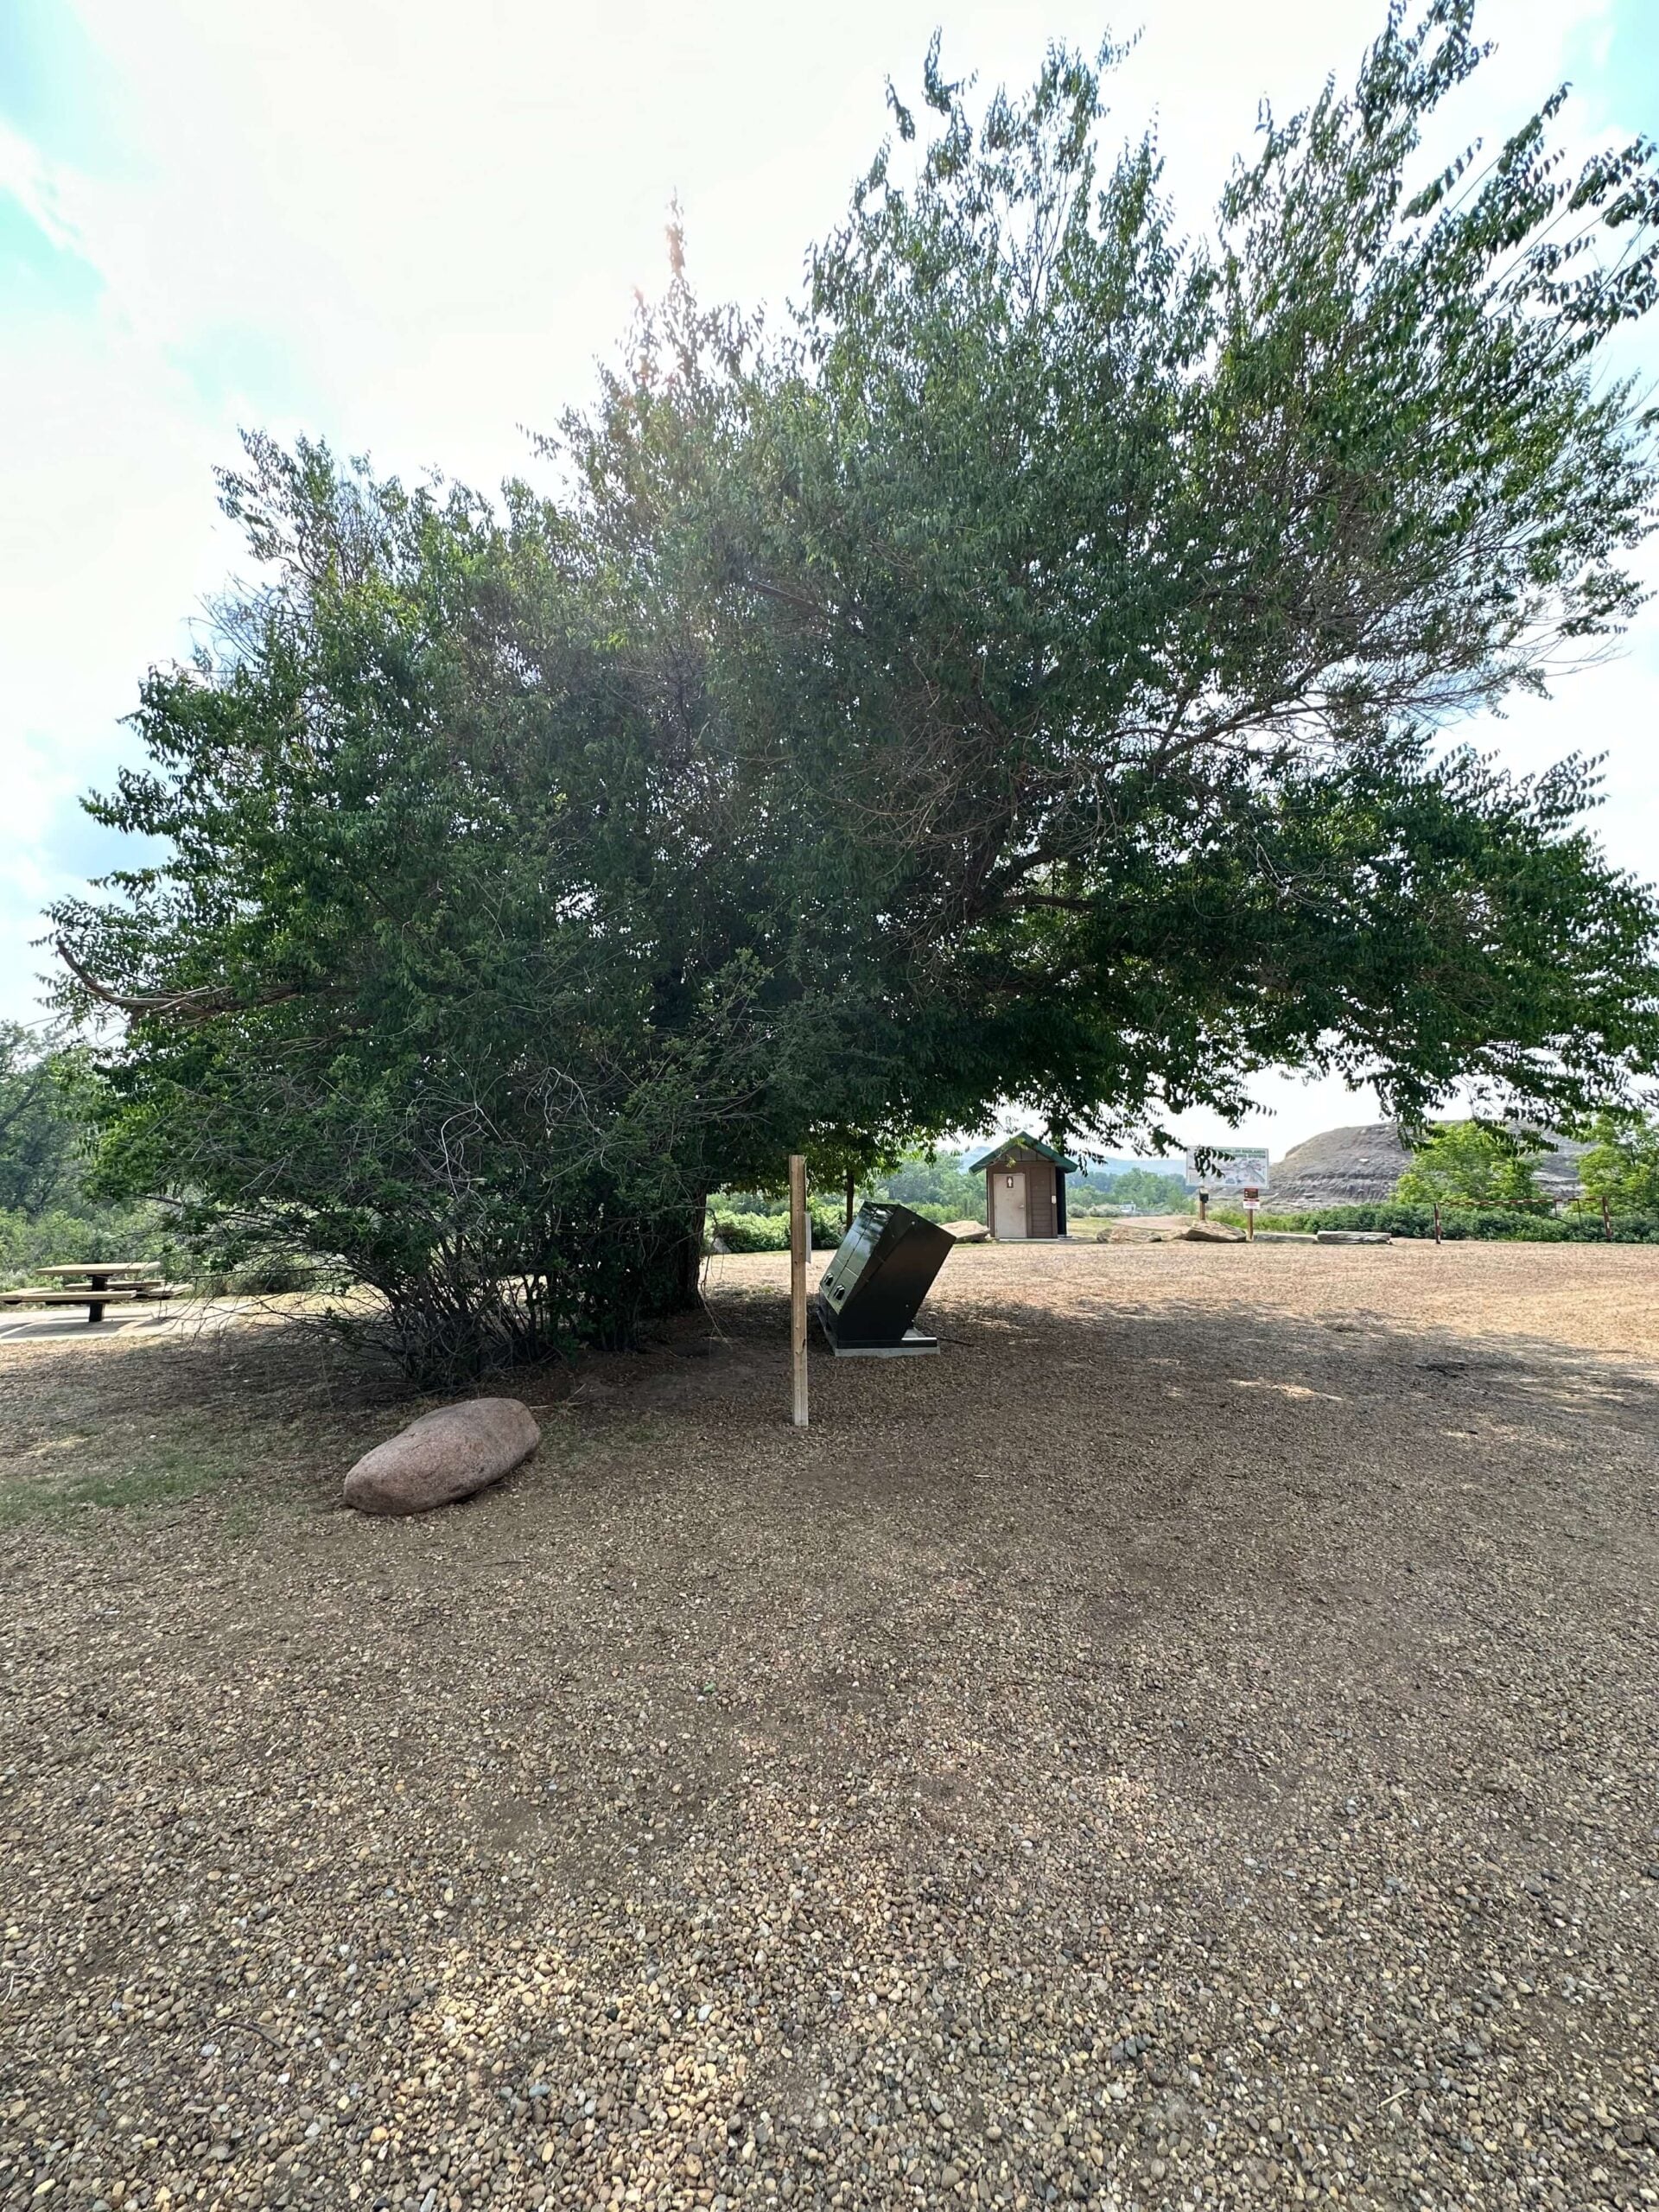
{"type": "Point", "coordinates": [1456, 1222]}
{"type": "Point", "coordinates": [769, 1232]}
{"type": "Point", "coordinates": [752, 1232]}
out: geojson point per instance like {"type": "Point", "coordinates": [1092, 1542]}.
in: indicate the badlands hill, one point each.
{"type": "Point", "coordinates": [1360, 1167]}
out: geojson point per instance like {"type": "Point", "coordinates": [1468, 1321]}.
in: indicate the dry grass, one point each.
{"type": "Point", "coordinates": [1198, 1730]}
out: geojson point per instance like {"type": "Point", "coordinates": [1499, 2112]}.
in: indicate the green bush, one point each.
{"type": "Point", "coordinates": [752, 1232]}
{"type": "Point", "coordinates": [1458, 1222]}
{"type": "Point", "coordinates": [742, 1231]}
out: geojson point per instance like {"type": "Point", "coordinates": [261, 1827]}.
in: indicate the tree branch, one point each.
{"type": "Point", "coordinates": [199, 1005]}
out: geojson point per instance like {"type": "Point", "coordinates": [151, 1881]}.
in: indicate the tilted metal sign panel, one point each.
{"type": "Point", "coordinates": [882, 1270]}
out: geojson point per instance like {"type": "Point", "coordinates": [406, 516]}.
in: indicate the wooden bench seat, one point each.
{"type": "Point", "coordinates": [94, 1300]}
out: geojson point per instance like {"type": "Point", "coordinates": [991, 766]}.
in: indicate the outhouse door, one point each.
{"type": "Point", "coordinates": [1010, 1186]}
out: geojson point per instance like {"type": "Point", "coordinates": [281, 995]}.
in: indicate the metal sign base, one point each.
{"type": "Point", "coordinates": [913, 1342]}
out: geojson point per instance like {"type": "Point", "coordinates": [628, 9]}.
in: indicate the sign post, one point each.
{"type": "Point", "coordinates": [799, 1245]}
{"type": "Point", "coordinates": [1214, 1174]}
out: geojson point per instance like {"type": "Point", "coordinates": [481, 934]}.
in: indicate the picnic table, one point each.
{"type": "Point", "coordinates": [104, 1282]}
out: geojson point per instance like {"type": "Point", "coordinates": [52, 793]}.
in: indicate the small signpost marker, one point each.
{"type": "Point", "coordinates": [1251, 1194]}
{"type": "Point", "coordinates": [799, 1245]}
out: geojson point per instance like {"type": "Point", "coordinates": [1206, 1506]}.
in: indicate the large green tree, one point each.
{"type": "Point", "coordinates": [1474, 1163]}
{"type": "Point", "coordinates": [1024, 681]}
{"type": "Point", "coordinates": [1618, 1169]}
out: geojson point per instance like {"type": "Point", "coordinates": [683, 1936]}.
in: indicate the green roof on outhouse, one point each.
{"type": "Point", "coordinates": [988, 1153]}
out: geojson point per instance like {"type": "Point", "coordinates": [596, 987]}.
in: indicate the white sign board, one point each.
{"type": "Point", "coordinates": [1228, 1172]}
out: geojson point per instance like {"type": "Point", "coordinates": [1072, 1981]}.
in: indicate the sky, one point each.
{"type": "Point", "coordinates": [414, 229]}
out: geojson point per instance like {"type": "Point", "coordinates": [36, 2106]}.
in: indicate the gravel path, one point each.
{"type": "Point", "coordinates": [1192, 1742]}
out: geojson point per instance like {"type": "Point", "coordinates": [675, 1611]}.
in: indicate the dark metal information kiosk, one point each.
{"type": "Point", "coordinates": [882, 1269]}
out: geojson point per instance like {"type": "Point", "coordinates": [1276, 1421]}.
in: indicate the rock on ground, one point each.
{"type": "Point", "coordinates": [443, 1455]}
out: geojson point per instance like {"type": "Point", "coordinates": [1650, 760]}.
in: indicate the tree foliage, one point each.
{"type": "Point", "coordinates": [1143, 1188]}
{"type": "Point", "coordinates": [1021, 684]}
{"type": "Point", "coordinates": [940, 1184]}
{"type": "Point", "coordinates": [1620, 1165]}
{"type": "Point", "coordinates": [1474, 1163]}
{"type": "Point", "coordinates": [42, 1123]}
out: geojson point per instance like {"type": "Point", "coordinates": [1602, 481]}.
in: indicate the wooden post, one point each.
{"type": "Point", "coordinates": [1203, 1205]}
{"type": "Point", "coordinates": [1437, 1221]}
{"type": "Point", "coordinates": [852, 1196]}
{"type": "Point", "coordinates": [1607, 1221]}
{"type": "Point", "coordinates": [800, 1243]}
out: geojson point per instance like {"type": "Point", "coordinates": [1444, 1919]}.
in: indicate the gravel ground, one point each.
{"type": "Point", "coordinates": [1192, 1742]}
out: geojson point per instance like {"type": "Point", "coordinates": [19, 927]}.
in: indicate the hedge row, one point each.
{"type": "Point", "coordinates": [1457, 1222]}
{"type": "Point", "coordinates": [762, 1226]}
{"type": "Point", "coordinates": [769, 1232]}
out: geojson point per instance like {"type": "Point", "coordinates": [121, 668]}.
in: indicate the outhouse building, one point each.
{"type": "Point", "coordinates": [1024, 1187]}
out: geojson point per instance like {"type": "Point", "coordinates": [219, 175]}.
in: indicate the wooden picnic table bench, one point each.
{"type": "Point", "coordinates": [107, 1282]}
{"type": "Point", "coordinates": [93, 1301]}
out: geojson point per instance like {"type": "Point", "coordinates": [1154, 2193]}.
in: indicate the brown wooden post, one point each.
{"type": "Point", "coordinates": [799, 1245]}
{"type": "Point", "coordinates": [1203, 1205]}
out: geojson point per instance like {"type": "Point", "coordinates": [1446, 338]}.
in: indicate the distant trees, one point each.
{"type": "Point", "coordinates": [43, 1126]}
{"type": "Point", "coordinates": [1473, 1164]}
{"type": "Point", "coordinates": [939, 1183]}
{"type": "Point", "coordinates": [1143, 1188]}
{"type": "Point", "coordinates": [1021, 684]}
{"type": "Point", "coordinates": [50, 1208]}
{"type": "Point", "coordinates": [1619, 1167]}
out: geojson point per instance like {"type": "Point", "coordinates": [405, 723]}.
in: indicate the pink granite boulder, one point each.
{"type": "Point", "coordinates": [443, 1455]}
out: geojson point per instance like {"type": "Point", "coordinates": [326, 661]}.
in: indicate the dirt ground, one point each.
{"type": "Point", "coordinates": [1193, 1742]}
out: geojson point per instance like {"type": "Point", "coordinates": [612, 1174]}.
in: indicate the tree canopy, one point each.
{"type": "Point", "coordinates": [1023, 680]}
{"type": "Point", "coordinates": [1620, 1165]}
{"type": "Point", "coordinates": [1474, 1163]}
